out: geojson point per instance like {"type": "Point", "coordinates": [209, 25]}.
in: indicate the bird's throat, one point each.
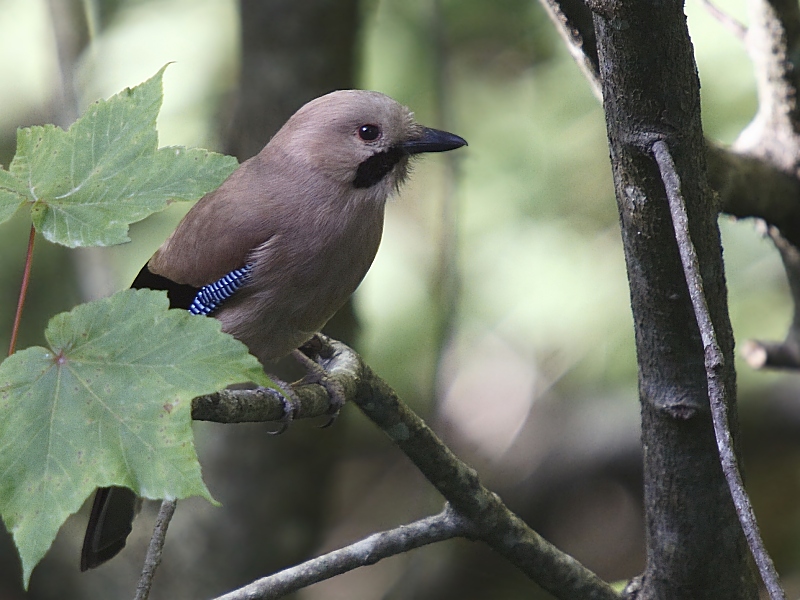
{"type": "Point", "coordinates": [372, 171]}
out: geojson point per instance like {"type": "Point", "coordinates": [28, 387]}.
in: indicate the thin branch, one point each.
{"type": "Point", "coordinates": [23, 292]}
{"type": "Point", "coordinates": [773, 42]}
{"type": "Point", "coordinates": [714, 362]}
{"type": "Point", "coordinates": [771, 355]}
{"type": "Point", "coordinates": [728, 22]}
{"type": "Point", "coordinates": [444, 526]}
{"type": "Point", "coordinates": [749, 186]}
{"type": "Point", "coordinates": [259, 406]}
{"type": "Point", "coordinates": [575, 24]}
{"type": "Point", "coordinates": [785, 354]}
{"type": "Point", "coordinates": [492, 521]}
{"type": "Point", "coordinates": [155, 549]}
{"type": "Point", "coordinates": [758, 177]}
{"type": "Point", "coordinates": [555, 571]}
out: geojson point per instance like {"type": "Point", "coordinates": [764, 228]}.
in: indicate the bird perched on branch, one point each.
{"type": "Point", "coordinates": [283, 243]}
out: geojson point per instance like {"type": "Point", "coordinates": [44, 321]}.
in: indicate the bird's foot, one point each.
{"type": "Point", "coordinates": [308, 356]}
{"type": "Point", "coordinates": [290, 404]}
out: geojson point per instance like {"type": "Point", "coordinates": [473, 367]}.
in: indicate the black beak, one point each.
{"type": "Point", "coordinates": [433, 140]}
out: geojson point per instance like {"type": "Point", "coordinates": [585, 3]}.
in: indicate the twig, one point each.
{"type": "Point", "coordinates": [155, 549]}
{"type": "Point", "coordinates": [555, 571]}
{"type": "Point", "coordinates": [785, 354]}
{"type": "Point", "coordinates": [574, 22]}
{"type": "Point", "coordinates": [259, 406]}
{"type": "Point", "coordinates": [771, 355]}
{"type": "Point", "coordinates": [491, 520]}
{"type": "Point", "coordinates": [773, 41]}
{"type": "Point", "coordinates": [444, 526]}
{"type": "Point", "coordinates": [23, 292]}
{"type": "Point", "coordinates": [714, 363]}
{"type": "Point", "coordinates": [750, 186]}
{"type": "Point", "coordinates": [727, 21]}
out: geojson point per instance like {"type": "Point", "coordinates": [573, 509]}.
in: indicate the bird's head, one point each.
{"type": "Point", "coordinates": [360, 139]}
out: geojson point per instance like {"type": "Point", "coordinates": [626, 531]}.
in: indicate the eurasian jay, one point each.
{"type": "Point", "coordinates": [281, 245]}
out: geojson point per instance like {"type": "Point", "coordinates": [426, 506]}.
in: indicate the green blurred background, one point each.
{"type": "Point", "coordinates": [497, 306]}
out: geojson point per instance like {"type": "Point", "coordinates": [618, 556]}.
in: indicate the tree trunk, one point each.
{"type": "Point", "coordinates": [695, 546]}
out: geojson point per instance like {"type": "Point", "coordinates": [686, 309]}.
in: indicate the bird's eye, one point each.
{"type": "Point", "coordinates": [369, 133]}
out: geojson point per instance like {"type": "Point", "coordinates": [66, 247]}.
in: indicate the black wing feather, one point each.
{"type": "Point", "coordinates": [180, 294]}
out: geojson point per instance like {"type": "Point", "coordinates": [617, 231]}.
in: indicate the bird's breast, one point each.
{"type": "Point", "coordinates": [301, 276]}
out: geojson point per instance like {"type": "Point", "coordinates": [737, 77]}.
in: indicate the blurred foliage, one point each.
{"type": "Point", "coordinates": [540, 260]}
{"type": "Point", "coordinates": [540, 254]}
{"type": "Point", "coordinates": [542, 311]}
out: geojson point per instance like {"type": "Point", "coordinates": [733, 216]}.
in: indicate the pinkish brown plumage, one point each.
{"type": "Point", "coordinates": [304, 219]}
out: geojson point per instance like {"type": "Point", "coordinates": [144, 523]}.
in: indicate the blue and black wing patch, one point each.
{"type": "Point", "coordinates": [198, 301]}
{"type": "Point", "coordinates": [210, 297]}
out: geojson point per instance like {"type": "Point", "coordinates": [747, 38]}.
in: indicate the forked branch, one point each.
{"type": "Point", "coordinates": [474, 511]}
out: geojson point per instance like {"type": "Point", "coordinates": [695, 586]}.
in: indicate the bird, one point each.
{"type": "Point", "coordinates": [282, 244]}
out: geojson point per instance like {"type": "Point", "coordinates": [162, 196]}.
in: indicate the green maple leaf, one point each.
{"type": "Point", "coordinates": [85, 186]}
{"type": "Point", "coordinates": [108, 403]}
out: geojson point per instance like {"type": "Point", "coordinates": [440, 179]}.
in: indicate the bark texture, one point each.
{"type": "Point", "coordinates": [695, 547]}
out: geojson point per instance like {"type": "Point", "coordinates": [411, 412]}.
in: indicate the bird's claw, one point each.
{"type": "Point", "coordinates": [289, 407]}
{"type": "Point", "coordinates": [336, 394]}
{"type": "Point", "coordinates": [315, 373]}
